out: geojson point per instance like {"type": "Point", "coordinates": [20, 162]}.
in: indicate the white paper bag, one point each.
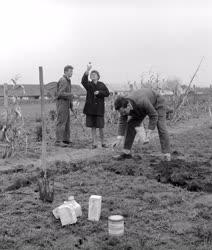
{"type": "Point", "coordinates": [94, 210]}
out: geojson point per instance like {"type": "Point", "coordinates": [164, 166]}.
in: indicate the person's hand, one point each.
{"type": "Point", "coordinates": [96, 92]}
{"type": "Point", "coordinates": [118, 142]}
{"type": "Point", "coordinates": [89, 67]}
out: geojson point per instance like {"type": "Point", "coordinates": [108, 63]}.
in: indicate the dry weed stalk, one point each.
{"type": "Point", "coordinates": [184, 96]}
{"type": "Point", "coordinates": [12, 121]}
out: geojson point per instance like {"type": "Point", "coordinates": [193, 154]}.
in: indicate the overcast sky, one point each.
{"type": "Point", "coordinates": [121, 38]}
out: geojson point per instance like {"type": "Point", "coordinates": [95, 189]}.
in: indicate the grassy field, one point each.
{"type": "Point", "coordinates": [165, 205]}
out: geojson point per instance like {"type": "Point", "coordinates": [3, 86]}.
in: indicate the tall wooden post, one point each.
{"type": "Point", "coordinates": [43, 157]}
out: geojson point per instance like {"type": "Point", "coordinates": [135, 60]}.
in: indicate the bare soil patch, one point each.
{"type": "Point", "coordinates": [165, 205]}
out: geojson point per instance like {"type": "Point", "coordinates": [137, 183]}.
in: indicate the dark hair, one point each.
{"type": "Point", "coordinates": [120, 102]}
{"type": "Point", "coordinates": [96, 72]}
{"type": "Point", "coordinates": [67, 67]}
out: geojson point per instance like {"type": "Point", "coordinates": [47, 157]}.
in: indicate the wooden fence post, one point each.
{"type": "Point", "coordinates": [43, 157]}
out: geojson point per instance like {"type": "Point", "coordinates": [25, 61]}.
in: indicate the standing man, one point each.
{"type": "Point", "coordinates": [63, 105]}
{"type": "Point", "coordinates": [133, 109]}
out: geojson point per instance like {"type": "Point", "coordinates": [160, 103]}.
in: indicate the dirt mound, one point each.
{"type": "Point", "coordinates": [194, 176]}
{"type": "Point", "coordinates": [21, 181]}
{"type": "Point", "coordinates": [128, 167]}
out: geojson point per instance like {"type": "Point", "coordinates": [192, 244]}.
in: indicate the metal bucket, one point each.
{"type": "Point", "coordinates": [116, 225]}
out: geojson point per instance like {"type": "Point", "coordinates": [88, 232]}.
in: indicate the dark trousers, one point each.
{"type": "Point", "coordinates": [63, 121]}
{"type": "Point", "coordinates": [161, 126]}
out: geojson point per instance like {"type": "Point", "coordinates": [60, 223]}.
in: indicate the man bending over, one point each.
{"type": "Point", "coordinates": [133, 109]}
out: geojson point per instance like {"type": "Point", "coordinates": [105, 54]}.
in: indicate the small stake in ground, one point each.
{"type": "Point", "coordinates": [46, 189]}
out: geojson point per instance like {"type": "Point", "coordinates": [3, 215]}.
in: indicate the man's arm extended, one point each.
{"type": "Point", "coordinates": [121, 130]}
{"type": "Point", "coordinates": [122, 125]}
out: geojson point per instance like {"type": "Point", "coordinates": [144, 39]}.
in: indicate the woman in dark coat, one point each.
{"type": "Point", "coordinates": [95, 106]}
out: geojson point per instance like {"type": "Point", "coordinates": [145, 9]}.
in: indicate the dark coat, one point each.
{"type": "Point", "coordinates": [94, 105]}
{"type": "Point", "coordinates": [145, 102]}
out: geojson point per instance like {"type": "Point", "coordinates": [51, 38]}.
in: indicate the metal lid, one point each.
{"type": "Point", "coordinates": [116, 218]}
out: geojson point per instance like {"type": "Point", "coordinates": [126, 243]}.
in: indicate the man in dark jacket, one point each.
{"type": "Point", "coordinates": [133, 109]}
{"type": "Point", "coordinates": [63, 105]}
{"type": "Point", "coordinates": [94, 104]}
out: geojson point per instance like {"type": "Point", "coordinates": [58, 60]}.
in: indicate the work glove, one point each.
{"type": "Point", "coordinates": [119, 142]}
